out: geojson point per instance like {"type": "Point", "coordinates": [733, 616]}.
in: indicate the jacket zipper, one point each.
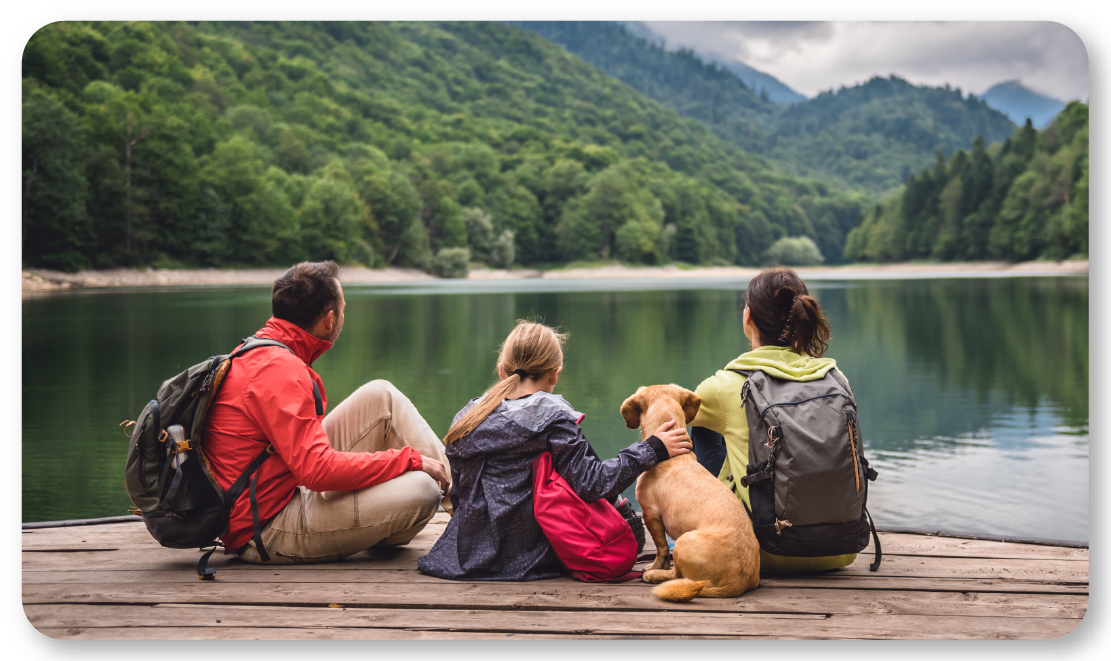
{"type": "Point", "coordinates": [802, 401]}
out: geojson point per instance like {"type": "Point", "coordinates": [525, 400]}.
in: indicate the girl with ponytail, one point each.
{"type": "Point", "coordinates": [789, 335]}
{"type": "Point", "coordinates": [493, 534]}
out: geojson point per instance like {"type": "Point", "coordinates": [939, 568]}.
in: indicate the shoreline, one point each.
{"type": "Point", "coordinates": [43, 280]}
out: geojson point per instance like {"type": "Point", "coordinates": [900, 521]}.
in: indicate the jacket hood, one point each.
{"type": "Point", "coordinates": [783, 363]}
{"type": "Point", "coordinates": [501, 431]}
{"type": "Point", "coordinates": [305, 345]}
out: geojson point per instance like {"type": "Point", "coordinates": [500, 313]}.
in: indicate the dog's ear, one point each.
{"type": "Point", "coordinates": [632, 409]}
{"type": "Point", "coordinates": [690, 403]}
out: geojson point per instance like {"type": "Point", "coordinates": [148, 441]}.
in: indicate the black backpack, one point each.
{"type": "Point", "coordinates": [807, 477]}
{"type": "Point", "coordinates": [171, 482]}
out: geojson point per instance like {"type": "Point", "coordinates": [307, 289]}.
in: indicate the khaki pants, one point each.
{"type": "Point", "coordinates": [324, 527]}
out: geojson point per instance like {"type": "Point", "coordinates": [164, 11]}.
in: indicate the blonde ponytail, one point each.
{"type": "Point", "coordinates": [532, 350]}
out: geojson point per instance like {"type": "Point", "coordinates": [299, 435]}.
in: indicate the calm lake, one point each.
{"type": "Point", "coordinates": [972, 393]}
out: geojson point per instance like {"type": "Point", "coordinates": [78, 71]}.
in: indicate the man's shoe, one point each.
{"type": "Point", "coordinates": [625, 509]}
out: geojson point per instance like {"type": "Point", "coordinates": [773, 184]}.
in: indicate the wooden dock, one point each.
{"type": "Point", "coordinates": [114, 582]}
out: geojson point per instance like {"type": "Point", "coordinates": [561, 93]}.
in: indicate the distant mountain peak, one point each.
{"type": "Point", "coordinates": [1018, 102]}
{"type": "Point", "coordinates": [1009, 84]}
{"type": "Point", "coordinates": [760, 82]}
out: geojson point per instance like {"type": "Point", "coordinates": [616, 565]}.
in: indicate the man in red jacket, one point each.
{"type": "Point", "coordinates": [371, 472]}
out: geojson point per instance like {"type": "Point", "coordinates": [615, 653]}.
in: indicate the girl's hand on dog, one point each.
{"type": "Point", "coordinates": [676, 441]}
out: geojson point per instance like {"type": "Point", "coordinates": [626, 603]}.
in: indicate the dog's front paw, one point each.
{"type": "Point", "coordinates": [661, 562]}
{"type": "Point", "coordinates": [657, 575]}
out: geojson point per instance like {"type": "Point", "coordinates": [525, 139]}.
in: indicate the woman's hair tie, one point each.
{"type": "Point", "coordinates": [521, 373]}
{"type": "Point", "coordinates": [787, 326]}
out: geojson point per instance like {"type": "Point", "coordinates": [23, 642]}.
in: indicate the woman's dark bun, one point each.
{"type": "Point", "coordinates": [785, 314]}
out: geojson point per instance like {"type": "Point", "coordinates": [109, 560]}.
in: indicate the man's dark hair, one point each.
{"type": "Point", "coordinates": [306, 292]}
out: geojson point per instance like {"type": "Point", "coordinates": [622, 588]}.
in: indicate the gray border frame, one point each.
{"type": "Point", "coordinates": [1092, 30]}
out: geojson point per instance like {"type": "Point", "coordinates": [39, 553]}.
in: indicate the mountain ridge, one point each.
{"type": "Point", "coordinates": [1018, 102]}
{"type": "Point", "coordinates": [760, 82]}
{"type": "Point", "coordinates": [777, 90]}
{"type": "Point", "coordinates": [869, 136]}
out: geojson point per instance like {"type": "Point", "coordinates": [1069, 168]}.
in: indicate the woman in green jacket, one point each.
{"type": "Point", "coordinates": [789, 335]}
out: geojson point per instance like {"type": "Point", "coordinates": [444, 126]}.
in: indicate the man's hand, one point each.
{"type": "Point", "coordinates": [437, 471]}
{"type": "Point", "coordinates": [676, 441]}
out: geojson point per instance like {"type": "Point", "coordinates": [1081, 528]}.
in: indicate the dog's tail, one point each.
{"type": "Point", "coordinates": [679, 589]}
{"type": "Point", "coordinates": [723, 591]}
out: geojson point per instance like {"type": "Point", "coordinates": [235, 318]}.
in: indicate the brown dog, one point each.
{"type": "Point", "coordinates": [716, 553]}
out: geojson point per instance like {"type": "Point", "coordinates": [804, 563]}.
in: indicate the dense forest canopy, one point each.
{"type": "Point", "coordinates": [1024, 199]}
{"type": "Point", "coordinates": [211, 144]}
{"type": "Point", "coordinates": [869, 136]}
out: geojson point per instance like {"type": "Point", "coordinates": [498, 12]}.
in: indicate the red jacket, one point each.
{"type": "Point", "coordinates": [266, 398]}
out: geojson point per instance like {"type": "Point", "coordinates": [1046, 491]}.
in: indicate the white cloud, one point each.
{"type": "Point", "coordinates": [815, 56]}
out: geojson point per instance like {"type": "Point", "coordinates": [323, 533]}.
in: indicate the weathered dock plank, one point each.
{"type": "Point", "coordinates": [912, 578]}
{"type": "Point", "coordinates": [894, 544]}
{"type": "Point", "coordinates": [917, 566]}
{"type": "Point", "coordinates": [743, 625]}
{"type": "Point", "coordinates": [210, 633]}
{"type": "Point", "coordinates": [113, 581]}
{"type": "Point", "coordinates": [530, 596]}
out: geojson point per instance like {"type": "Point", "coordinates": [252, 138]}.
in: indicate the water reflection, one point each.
{"type": "Point", "coordinates": [973, 394]}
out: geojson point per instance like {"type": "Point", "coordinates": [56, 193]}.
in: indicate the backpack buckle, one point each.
{"type": "Point", "coordinates": [162, 437]}
{"type": "Point", "coordinates": [183, 445]}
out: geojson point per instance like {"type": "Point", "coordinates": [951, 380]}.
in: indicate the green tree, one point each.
{"type": "Point", "coordinates": [57, 229]}
{"type": "Point", "coordinates": [334, 218]}
{"type": "Point", "coordinates": [440, 215]}
{"type": "Point", "coordinates": [451, 263]}
{"type": "Point", "coordinates": [486, 245]}
{"type": "Point", "coordinates": [794, 251]}
{"type": "Point", "coordinates": [394, 205]}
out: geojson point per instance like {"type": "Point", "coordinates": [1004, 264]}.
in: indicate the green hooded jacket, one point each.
{"type": "Point", "coordinates": [723, 411]}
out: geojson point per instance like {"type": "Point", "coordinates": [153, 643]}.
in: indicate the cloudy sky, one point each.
{"type": "Point", "coordinates": [812, 57]}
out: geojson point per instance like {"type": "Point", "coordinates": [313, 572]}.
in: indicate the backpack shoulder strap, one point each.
{"type": "Point", "coordinates": [837, 376]}
{"type": "Point", "coordinates": [253, 342]}
{"type": "Point", "coordinates": [750, 376]}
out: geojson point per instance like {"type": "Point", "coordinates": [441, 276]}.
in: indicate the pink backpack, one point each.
{"type": "Point", "coordinates": [593, 541]}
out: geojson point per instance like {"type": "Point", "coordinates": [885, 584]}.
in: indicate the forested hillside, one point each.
{"type": "Point", "coordinates": [1024, 199]}
{"type": "Point", "coordinates": [680, 80]}
{"type": "Point", "coordinates": [869, 136]}
{"type": "Point", "coordinates": [262, 144]}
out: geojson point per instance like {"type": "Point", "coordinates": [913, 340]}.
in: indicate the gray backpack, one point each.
{"type": "Point", "coordinates": [807, 477]}
{"type": "Point", "coordinates": [171, 482]}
